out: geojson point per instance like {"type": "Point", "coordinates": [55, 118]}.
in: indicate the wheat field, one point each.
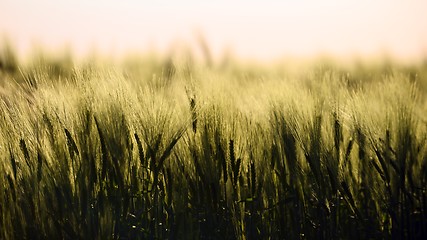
{"type": "Point", "coordinates": [155, 148]}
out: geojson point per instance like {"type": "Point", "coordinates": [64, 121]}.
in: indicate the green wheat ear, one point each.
{"type": "Point", "coordinates": [39, 165]}
{"type": "Point", "coordinates": [193, 113]}
{"type": "Point", "coordinates": [26, 153]}
{"type": "Point", "coordinates": [72, 146]}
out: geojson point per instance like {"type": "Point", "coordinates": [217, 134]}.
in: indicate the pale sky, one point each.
{"type": "Point", "coordinates": [258, 29]}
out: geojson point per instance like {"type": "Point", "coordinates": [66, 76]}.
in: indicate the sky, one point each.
{"type": "Point", "coordinates": [248, 29]}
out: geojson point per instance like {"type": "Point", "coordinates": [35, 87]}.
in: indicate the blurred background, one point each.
{"type": "Point", "coordinates": [261, 30]}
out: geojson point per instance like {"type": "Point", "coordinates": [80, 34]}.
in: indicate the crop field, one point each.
{"type": "Point", "coordinates": [174, 148]}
